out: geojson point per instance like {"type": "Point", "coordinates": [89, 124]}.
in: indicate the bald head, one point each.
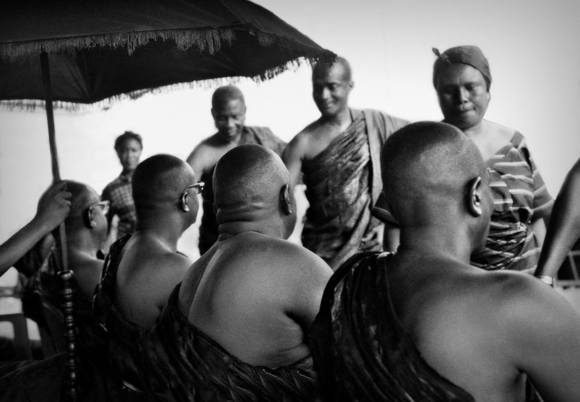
{"type": "Point", "coordinates": [158, 182]}
{"type": "Point", "coordinates": [247, 180]}
{"type": "Point", "coordinates": [82, 196]}
{"type": "Point", "coordinates": [322, 68]}
{"type": "Point", "coordinates": [426, 164]}
{"type": "Point", "coordinates": [224, 94]}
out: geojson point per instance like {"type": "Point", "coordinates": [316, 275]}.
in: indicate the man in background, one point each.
{"type": "Point", "coordinates": [338, 155]}
{"type": "Point", "coordinates": [229, 114]}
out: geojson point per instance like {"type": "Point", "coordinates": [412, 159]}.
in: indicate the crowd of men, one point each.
{"type": "Point", "coordinates": [443, 315]}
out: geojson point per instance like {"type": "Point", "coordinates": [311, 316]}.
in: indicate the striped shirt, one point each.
{"type": "Point", "coordinates": [520, 198]}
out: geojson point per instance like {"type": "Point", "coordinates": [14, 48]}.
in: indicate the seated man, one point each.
{"type": "Point", "coordinates": [86, 229]}
{"type": "Point", "coordinates": [423, 324]}
{"type": "Point", "coordinates": [235, 329]}
{"type": "Point", "coordinates": [142, 269]}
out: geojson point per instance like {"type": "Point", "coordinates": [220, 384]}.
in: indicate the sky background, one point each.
{"type": "Point", "coordinates": [532, 47]}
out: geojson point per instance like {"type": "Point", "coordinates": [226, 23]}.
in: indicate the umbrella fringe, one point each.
{"type": "Point", "coordinates": [203, 39]}
{"type": "Point", "coordinates": [32, 104]}
{"type": "Point", "coordinates": [210, 40]}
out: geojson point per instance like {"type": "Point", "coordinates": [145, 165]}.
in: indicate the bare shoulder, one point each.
{"type": "Point", "coordinates": [301, 140]}
{"type": "Point", "coordinates": [203, 154]}
{"type": "Point", "coordinates": [265, 255]}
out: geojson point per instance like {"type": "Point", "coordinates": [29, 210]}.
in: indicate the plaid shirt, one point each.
{"type": "Point", "coordinates": [120, 194]}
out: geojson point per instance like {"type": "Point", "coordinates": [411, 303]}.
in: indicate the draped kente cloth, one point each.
{"type": "Point", "coordinates": [520, 198]}
{"type": "Point", "coordinates": [361, 350]}
{"type": "Point", "coordinates": [208, 230]}
{"type": "Point", "coordinates": [126, 351]}
{"type": "Point", "coordinates": [197, 368]}
{"type": "Point", "coordinates": [342, 185]}
{"type": "Point", "coordinates": [95, 381]}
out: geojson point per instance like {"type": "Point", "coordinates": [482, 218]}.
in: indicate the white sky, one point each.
{"type": "Point", "coordinates": [532, 46]}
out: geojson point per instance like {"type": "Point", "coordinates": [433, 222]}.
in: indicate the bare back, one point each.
{"type": "Point", "coordinates": [485, 331]}
{"type": "Point", "coordinates": [87, 271]}
{"type": "Point", "coordinates": [256, 296]}
{"type": "Point", "coordinates": [147, 274]}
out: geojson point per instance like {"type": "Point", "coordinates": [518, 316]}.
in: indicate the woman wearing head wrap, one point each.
{"type": "Point", "coordinates": [462, 79]}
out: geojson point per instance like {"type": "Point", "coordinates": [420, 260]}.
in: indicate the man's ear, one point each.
{"type": "Point", "coordinates": [285, 201]}
{"type": "Point", "coordinates": [89, 221]}
{"type": "Point", "coordinates": [473, 197]}
{"type": "Point", "coordinates": [184, 205]}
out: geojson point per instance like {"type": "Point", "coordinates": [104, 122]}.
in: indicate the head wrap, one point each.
{"type": "Point", "coordinates": [470, 55]}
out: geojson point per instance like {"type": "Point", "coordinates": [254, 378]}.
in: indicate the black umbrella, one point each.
{"type": "Point", "coordinates": [82, 52]}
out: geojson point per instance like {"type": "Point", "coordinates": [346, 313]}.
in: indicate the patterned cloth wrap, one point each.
{"type": "Point", "coordinates": [361, 350]}
{"type": "Point", "coordinates": [342, 185]}
{"type": "Point", "coordinates": [196, 368]}
{"type": "Point", "coordinates": [208, 230]}
{"type": "Point", "coordinates": [126, 350]}
{"type": "Point", "coordinates": [520, 198]}
{"type": "Point", "coordinates": [45, 380]}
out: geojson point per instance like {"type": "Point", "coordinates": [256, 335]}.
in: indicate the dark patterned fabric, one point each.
{"type": "Point", "coordinates": [47, 377]}
{"type": "Point", "coordinates": [120, 193]}
{"type": "Point", "coordinates": [361, 351]}
{"type": "Point", "coordinates": [196, 368]}
{"type": "Point", "coordinates": [126, 339]}
{"type": "Point", "coordinates": [342, 185]}
{"type": "Point", "coordinates": [31, 381]}
{"type": "Point", "coordinates": [208, 230]}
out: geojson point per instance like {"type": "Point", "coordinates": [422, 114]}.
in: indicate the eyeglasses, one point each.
{"type": "Point", "coordinates": [198, 187]}
{"type": "Point", "coordinates": [103, 204]}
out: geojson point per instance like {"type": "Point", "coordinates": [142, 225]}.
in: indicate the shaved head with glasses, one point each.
{"type": "Point", "coordinates": [165, 191]}
{"type": "Point", "coordinates": [86, 231]}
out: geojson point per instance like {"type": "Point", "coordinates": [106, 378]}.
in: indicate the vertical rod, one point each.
{"type": "Point", "coordinates": [53, 151]}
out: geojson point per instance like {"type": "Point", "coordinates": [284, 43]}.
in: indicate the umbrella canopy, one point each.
{"type": "Point", "coordinates": [104, 49]}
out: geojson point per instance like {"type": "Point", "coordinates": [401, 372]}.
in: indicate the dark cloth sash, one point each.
{"type": "Point", "coordinates": [338, 188]}
{"type": "Point", "coordinates": [361, 351]}
{"type": "Point", "coordinates": [197, 368]}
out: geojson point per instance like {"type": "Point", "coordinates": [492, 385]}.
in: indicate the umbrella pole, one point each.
{"type": "Point", "coordinates": [53, 151]}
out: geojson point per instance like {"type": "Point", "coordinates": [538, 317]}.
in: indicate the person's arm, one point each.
{"type": "Point", "coordinates": [197, 160]}
{"type": "Point", "coordinates": [564, 227]}
{"type": "Point", "coordinates": [292, 158]}
{"type": "Point", "coordinates": [52, 210]}
{"type": "Point", "coordinates": [544, 340]}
